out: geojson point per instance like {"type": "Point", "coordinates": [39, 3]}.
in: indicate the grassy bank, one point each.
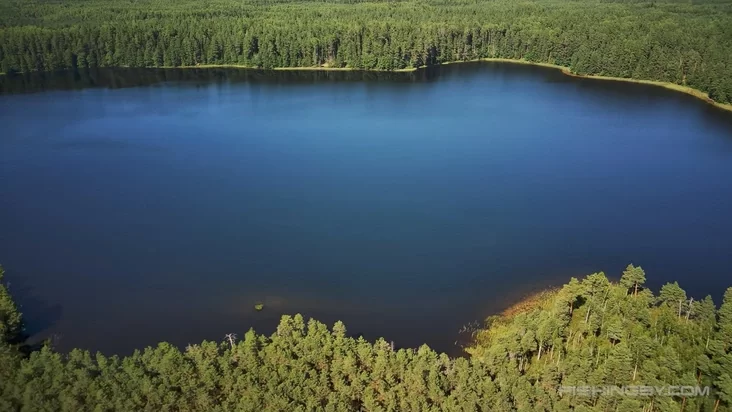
{"type": "Point", "coordinates": [531, 302]}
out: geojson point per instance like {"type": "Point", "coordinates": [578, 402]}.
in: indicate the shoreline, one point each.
{"type": "Point", "coordinates": [289, 69]}
{"type": "Point", "coordinates": [666, 85]}
{"type": "Point", "coordinates": [524, 304]}
{"type": "Point", "coordinates": [564, 69]}
{"type": "Point", "coordinates": [528, 302]}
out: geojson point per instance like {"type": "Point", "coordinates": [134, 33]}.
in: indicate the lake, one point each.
{"type": "Point", "coordinates": [148, 205]}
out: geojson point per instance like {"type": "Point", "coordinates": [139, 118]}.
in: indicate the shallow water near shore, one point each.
{"type": "Point", "coordinates": [149, 205]}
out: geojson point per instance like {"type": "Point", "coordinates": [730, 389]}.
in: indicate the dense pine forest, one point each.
{"type": "Point", "coordinates": [686, 43]}
{"type": "Point", "coordinates": [589, 332]}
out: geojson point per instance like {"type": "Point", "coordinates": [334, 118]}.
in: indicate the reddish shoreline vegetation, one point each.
{"type": "Point", "coordinates": [536, 300]}
{"type": "Point", "coordinates": [588, 332]}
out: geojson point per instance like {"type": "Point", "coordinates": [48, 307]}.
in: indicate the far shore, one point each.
{"type": "Point", "coordinates": [671, 86]}
{"type": "Point", "coordinates": [297, 68]}
{"type": "Point", "coordinates": [565, 70]}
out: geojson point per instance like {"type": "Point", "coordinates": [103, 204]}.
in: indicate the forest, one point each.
{"type": "Point", "coordinates": [687, 43]}
{"type": "Point", "coordinates": [589, 332]}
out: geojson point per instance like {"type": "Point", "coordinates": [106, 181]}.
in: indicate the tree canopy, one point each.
{"type": "Point", "coordinates": [589, 332]}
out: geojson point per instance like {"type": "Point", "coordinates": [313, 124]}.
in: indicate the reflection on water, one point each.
{"type": "Point", "coordinates": [123, 78]}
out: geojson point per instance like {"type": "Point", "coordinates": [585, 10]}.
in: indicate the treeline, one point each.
{"type": "Point", "coordinates": [590, 332]}
{"type": "Point", "coordinates": [683, 43]}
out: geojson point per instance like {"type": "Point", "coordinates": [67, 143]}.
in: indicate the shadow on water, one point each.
{"type": "Point", "coordinates": [38, 315]}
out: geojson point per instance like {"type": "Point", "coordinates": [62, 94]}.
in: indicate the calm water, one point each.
{"type": "Point", "coordinates": [140, 206]}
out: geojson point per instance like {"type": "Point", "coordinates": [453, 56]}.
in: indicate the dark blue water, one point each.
{"type": "Point", "coordinates": [405, 206]}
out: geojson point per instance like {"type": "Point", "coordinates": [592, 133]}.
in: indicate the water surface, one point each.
{"type": "Point", "coordinates": [140, 206]}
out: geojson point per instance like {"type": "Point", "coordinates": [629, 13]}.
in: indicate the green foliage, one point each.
{"type": "Point", "coordinates": [598, 333]}
{"type": "Point", "coordinates": [686, 43]}
{"type": "Point", "coordinates": [589, 332]}
{"type": "Point", "coordinates": [633, 278]}
{"type": "Point", "coordinates": [11, 324]}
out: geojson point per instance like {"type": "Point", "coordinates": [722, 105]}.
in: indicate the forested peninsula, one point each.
{"type": "Point", "coordinates": [684, 43]}
{"type": "Point", "coordinates": [589, 332]}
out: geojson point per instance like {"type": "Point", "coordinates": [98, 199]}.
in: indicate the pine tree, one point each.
{"type": "Point", "coordinates": [633, 277]}
{"type": "Point", "coordinates": [11, 323]}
